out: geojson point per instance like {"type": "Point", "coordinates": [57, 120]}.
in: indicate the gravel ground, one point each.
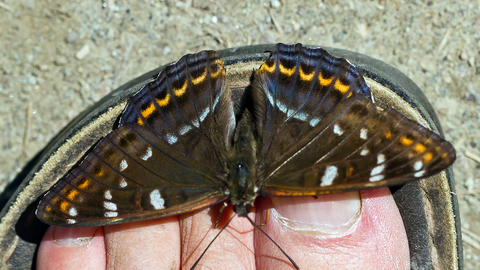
{"type": "Point", "coordinates": [59, 57]}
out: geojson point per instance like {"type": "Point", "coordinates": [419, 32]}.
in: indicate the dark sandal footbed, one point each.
{"type": "Point", "coordinates": [429, 207]}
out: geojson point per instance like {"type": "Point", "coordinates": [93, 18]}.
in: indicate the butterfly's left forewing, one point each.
{"type": "Point", "coordinates": [153, 163]}
{"type": "Point", "coordinates": [331, 137]}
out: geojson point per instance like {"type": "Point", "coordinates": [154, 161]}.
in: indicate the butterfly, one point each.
{"type": "Point", "coordinates": [309, 127]}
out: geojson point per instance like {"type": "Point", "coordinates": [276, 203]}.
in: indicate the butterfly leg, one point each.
{"type": "Point", "coordinates": [225, 204]}
{"type": "Point", "coordinates": [266, 220]}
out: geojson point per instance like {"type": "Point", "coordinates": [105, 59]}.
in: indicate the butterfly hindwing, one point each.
{"type": "Point", "coordinates": [153, 163]}
{"type": "Point", "coordinates": [331, 137]}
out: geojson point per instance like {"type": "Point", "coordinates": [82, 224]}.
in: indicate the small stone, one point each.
{"type": "Point", "coordinates": [469, 184]}
{"type": "Point", "coordinates": [275, 4]}
{"type": "Point", "coordinates": [296, 26]}
{"type": "Point", "coordinates": [72, 37]}
{"type": "Point", "coordinates": [42, 67]}
{"type": "Point", "coordinates": [60, 61]}
{"type": "Point", "coordinates": [29, 58]}
{"type": "Point", "coordinates": [166, 50]}
{"type": "Point", "coordinates": [83, 52]}
{"type": "Point", "coordinates": [68, 72]}
{"type": "Point", "coordinates": [32, 80]}
{"type": "Point", "coordinates": [471, 62]}
{"type": "Point", "coordinates": [463, 55]}
{"type": "Point", "coordinates": [214, 19]}
{"type": "Point", "coordinates": [362, 30]}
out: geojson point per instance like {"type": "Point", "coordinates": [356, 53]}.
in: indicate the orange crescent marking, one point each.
{"type": "Point", "coordinates": [428, 157]}
{"type": "Point", "coordinates": [287, 71]}
{"type": "Point", "coordinates": [163, 102]}
{"type": "Point", "coordinates": [388, 135]}
{"type": "Point", "coordinates": [267, 68]}
{"type": "Point", "coordinates": [420, 148]}
{"type": "Point", "coordinates": [306, 77]}
{"type": "Point", "coordinates": [342, 88]}
{"type": "Point", "coordinates": [214, 75]}
{"type": "Point", "coordinates": [198, 80]}
{"type": "Point", "coordinates": [350, 171]}
{"type": "Point", "coordinates": [148, 111]}
{"type": "Point", "coordinates": [178, 92]}
{"type": "Point", "coordinates": [72, 194]}
{"type": "Point", "coordinates": [85, 184]}
{"type": "Point", "coordinates": [323, 81]}
{"type": "Point", "coordinates": [406, 141]}
{"type": "Point", "coordinates": [140, 122]}
{"type": "Point", "coordinates": [221, 70]}
{"type": "Point", "coordinates": [64, 206]}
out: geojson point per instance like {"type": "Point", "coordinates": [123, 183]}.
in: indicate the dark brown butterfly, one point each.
{"type": "Point", "coordinates": [310, 128]}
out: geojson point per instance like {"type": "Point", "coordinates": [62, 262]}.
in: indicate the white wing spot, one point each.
{"type": "Point", "coordinates": [71, 221]}
{"type": "Point", "coordinates": [204, 114]}
{"type": "Point", "coordinates": [375, 174]}
{"type": "Point", "coordinates": [380, 158]}
{"type": "Point", "coordinates": [314, 121]}
{"type": "Point", "coordinates": [156, 200]}
{"type": "Point", "coordinates": [196, 123]}
{"type": "Point", "coordinates": [329, 176]}
{"type": "Point", "coordinates": [337, 130]}
{"type": "Point", "coordinates": [107, 195]}
{"type": "Point", "coordinates": [364, 152]}
{"type": "Point", "coordinates": [283, 108]}
{"type": "Point", "coordinates": [215, 102]}
{"type": "Point", "coordinates": [111, 214]}
{"type": "Point", "coordinates": [376, 178]}
{"type": "Point", "coordinates": [301, 116]}
{"type": "Point", "coordinates": [148, 154]}
{"type": "Point", "coordinates": [72, 212]}
{"type": "Point", "coordinates": [419, 174]}
{"type": "Point", "coordinates": [123, 165]}
{"type": "Point", "coordinates": [171, 139]}
{"type": "Point", "coordinates": [185, 129]}
{"type": "Point", "coordinates": [110, 206]}
{"type": "Point", "coordinates": [123, 183]}
{"type": "Point", "coordinates": [418, 165]}
{"type": "Point", "coordinates": [363, 134]}
{"type": "Point", "coordinates": [269, 97]}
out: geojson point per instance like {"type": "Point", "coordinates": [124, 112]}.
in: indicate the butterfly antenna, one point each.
{"type": "Point", "coordinates": [211, 242]}
{"type": "Point", "coordinates": [278, 246]}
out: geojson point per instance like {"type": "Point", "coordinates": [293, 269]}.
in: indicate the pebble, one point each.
{"type": "Point", "coordinates": [166, 50]}
{"type": "Point", "coordinates": [83, 52]}
{"type": "Point", "coordinates": [275, 4]}
{"type": "Point", "coordinates": [68, 72]}
{"type": "Point", "coordinates": [60, 61]}
{"type": "Point", "coordinates": [72, 37]}
{"type": "Point", "coordinates": [29, 58]}
{"type": "Point", "coordinates": [32, 80]}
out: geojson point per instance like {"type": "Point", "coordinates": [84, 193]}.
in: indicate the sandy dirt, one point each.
{"type": "Point", "coordinates": [59, 57]}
